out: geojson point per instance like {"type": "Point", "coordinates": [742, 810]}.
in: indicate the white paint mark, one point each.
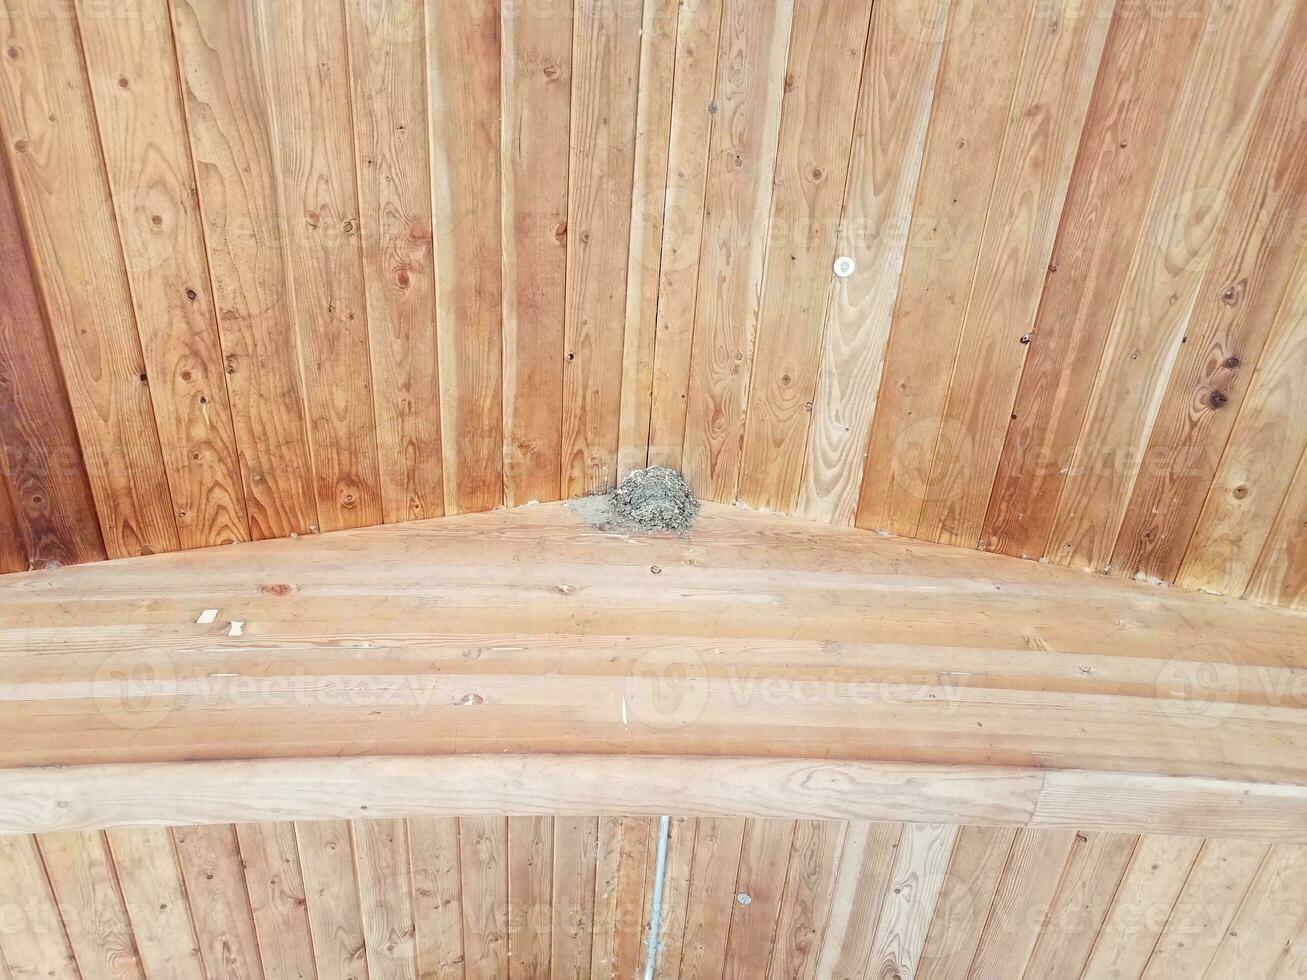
{"type": "Point", "coordinates": [237, 628]}
{"type": "Point", "coordinates": [208, 616]}
{"type": "Point", "coordinates": [845, 266]}
{"type": "Point", "coordinates": [626, 721]}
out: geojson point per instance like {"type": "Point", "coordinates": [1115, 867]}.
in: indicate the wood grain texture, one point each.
{"type": "Point", "coordinates": [898, 88]}
{"type": "Point", "coordinates": [692, 126]}
{"type": "Point", "coordinates": [1252, 482]}
{"type": "Point", "coordinates": [973, 96]}
{"type": "Point", "coordinates": [918, 877]}
{"type": "Point", "coordinates": [437, 897]}
{"type": "Point", "coordinates": [150, 879]}
{"type": "Point", "coordinates": [827, 53]}
{"type": "Point", "coordinates": [750, 87]}
{"type": "Point", "coordinates": [275, 882]}
{"type": "Point", "coordinates": [649, 190]}
{"type": "Point", "coordinates": [576, 853]}
{"type": "Point", "coordinates": [464, 89]}
{"type": "Point", "coordinates": [1058, 70]}
{"type": "Point", "coordinates": [1268, 919]}
{"type": "Point", "coordinates": [387, 46]}
{"type": "Point", "coordinates": [54, 521]}
{"type": "Point", "coordinates": [35, 944]}
{"type": "Point", "coordinates": [605, 74]}
{"type": "Point", "coordinates": [331, 895]}
{"type": "Point", "coordinates": [226, 87]}
{"type": "Point", "coordinates": [85, 886]}
{"type": "Point", "coordinates": [1201, 159]}
{"type": "Point", "coordinates": [483, 858]}
{"type": "Point", "coordinates": [381, 855]}
{"type": "Point", "coordinates": [13, 547]}
{"type": "Point", "coordinates": [58, 172]}
{"type": "Point", "coordinates": [214, 881]}
{"type": "Point", "coordinates": [1205, 909]}
{"type": "Point", "coordinates": [537, 118]}
{"type": "Point", "coordinates": [1247, 276]}
{"type": "Point", "coordinates": [1139, 912]}
{"type": "Point", "coordinates": [759, 888]}
{"type": "Point", "coordinates": [1280, 578]}
{"type": "Point", "coordinates": [314, 144]}
{"type": "Point", "coordinates": [1145, 66]}
{"type": "Point", "coordinates": [530, 896]}
{"type": "Point", "coordinates": [861, 884]}
{"type": "Point", "coordinates": [976, 866]}
{"type": "Point", "coordinates": [806, 903]}
{"type": "Point", "coordinates": [622, 878]}
{"type": "Point", "coordinates": [134, 82]}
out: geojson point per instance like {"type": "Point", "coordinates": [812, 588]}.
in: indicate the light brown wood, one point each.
{"type": "Point", "coordinates": [275, 882]}
{"type": "Point", "coordinates": [530, 896]}
{"type": "Point", "coordinates": [331, 895]}
{"type": "Point", "coordinates": [861, 884]}
{"type": "Point", "coordinates": [483, 858]}
{"type": "Point", "coordinates": [537, 114]}
{"type": "Point", "coordinates": [313, 140]}
{"type": "Point", "coordinates": [214, 883]}
{"type": "Point", "coordinates": [437, 897]}
{"type": "Point", "coordinates": [463, 84]}
{"type": "Point", "coordinates": [135, 86]}
{"type": "Point", "coordinates": [906, 912]}
{"type": "Point", "coordinates": [387, 46]}
{"type": "Point", "coordinates": [381, 854]}
{"type": "Point", "coordinates": [36, 943]}
{"type": "Point", "coordinates": [747, 105]}
{"type": "Point", "coordinates": [605, 79]}
{"type": "Point", "coordinates": [576, 851]}
{"type": "Point", "coordinates": [226, 87]}
{"type": "Point", "coordinates": [51, 142]}
{"type": "Point", "coordinates": [145, 863]}
{"type": "Point", "coordinates": [827, 47]}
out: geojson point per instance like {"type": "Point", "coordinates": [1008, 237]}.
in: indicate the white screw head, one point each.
{"type": "Point", "coordinates": [844, 266]}
{"type": "Point", "coordinates": [744, 899]}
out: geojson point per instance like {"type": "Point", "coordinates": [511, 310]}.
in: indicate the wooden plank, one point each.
{"type": "Point", "coordinates": [808, 899]}
{"type": "Point", "coordinates": [677, 884]}
{"type": "Point", "coordinates": [1058, 70]}
{"type": "Point", "coordinates": [227, 90]}
{"type": "Point", "coordinates": [605, 71]}
{"type": "Point", "coordinates": [318, 187]}
{"type": "Point", "coordinates": [537, 115]}
{"type": "Point", "coordinates": [1021, 906]}
{"type": "Point", "coordinates": [331, 896]}
{"type": "Point", "coordinates": [35, 944]}
{"type": "Point", "coordinates": [980, 856]}
{"type": "Point", "coordinates": [1251, 267]}
{"type": "Point", "coordinates": [622, 880]}
{"type": "Point", "coordinates": [437, 897]}
{"type": "Point", "coordinates": [275, 881]}
{"type": "Point", "coordinates": [530, 896]}
{"type": "Point", "coordinates": [1091, 879]}
{"type": "Point", "coordinates": [50, 138]}
{"type": "Point", "coordinates": [483, 858]}
{"type": "Point", "coordinates": [862, 880]}
{"type": "Point", "coordinates": [1252, 482]}
{"type": "Point", "coordinates": [13, 546]}
{"type": "Point", "coordinates": [381, 852]}
{"type": "Point", "coordinates": [973, 96]}
{"type": "Point", "coordinates": [919, 874]}
{"type": "Point", "coordinates": [711, 897]}
{"type": "Point", "coordinates": [698, 30]}
{"type": "Point", "coordinates": [95, 920]}
{"type": "Point", "coordinates": [1217, 883]}
{"type": "Point", "coordinates": [1268, 919]}
{"type": "Point", "coordinates": [828, 43]}
{"type": "Point", "coordinates": [576, 851]}
{"type": "Point", "coordinates": [759, 888]}
{"type": "Point", "coordinates": [214, 881]}
{"type": "Point", "coordinates": [387, 46]}
{"type": "Point", "coordinates": [42, 459]}
{"type": "Point", "coordinates": [150, 879]}
{"type": "Point", "coordinates": [132, 66]}
{"type": "Point", "coordinates": [750, 88]}
{"type": "Point", "coordinates": [1281, 575]}
{"type": "Point", "coordinates": [889, 143]}
{"type": "Point", "coordinates": [1231, 70]}
{"type": "Point", "coordinates": [1145, 66]}
{"type": "Point", "coordinates": [1153, 880]}
{"type": "Point", "coordinates": [463, 83]}
{"type": "Point", "coordinates": [649, 187]}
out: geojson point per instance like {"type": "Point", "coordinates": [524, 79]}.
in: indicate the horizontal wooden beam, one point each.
{"type": "Point", "coordinates": [96, 797]}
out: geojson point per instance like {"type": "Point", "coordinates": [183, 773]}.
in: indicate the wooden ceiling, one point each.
{"type": "Point", "coordinates": [529, 898]}
{"type": "Point", "coordinates": [272, 269]}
